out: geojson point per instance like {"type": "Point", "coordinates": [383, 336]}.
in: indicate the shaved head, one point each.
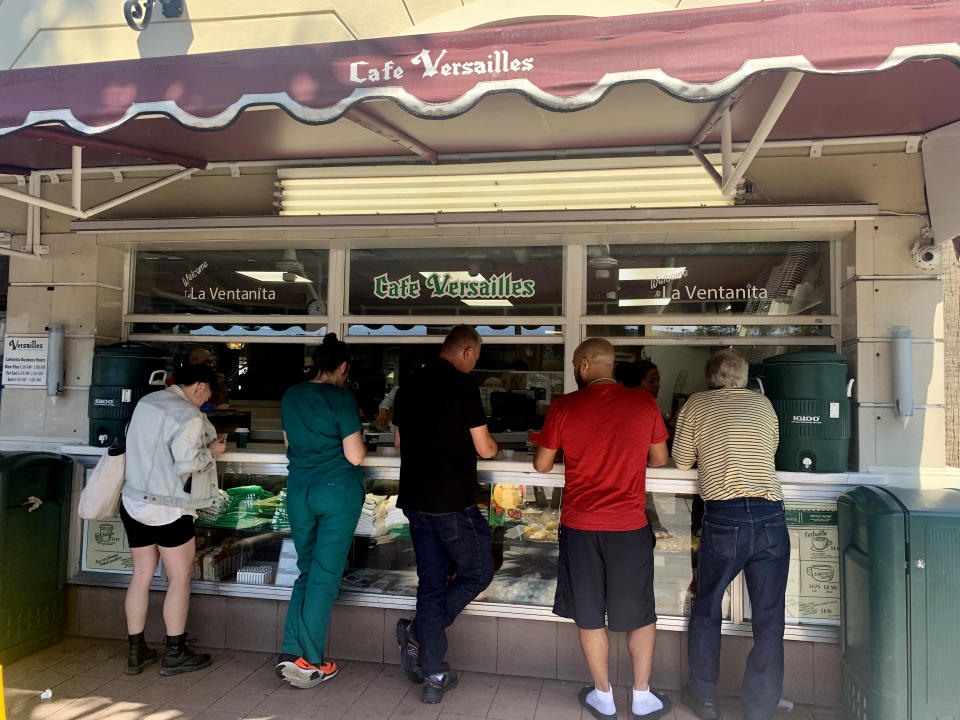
{"type": "Point", "coordinates": [593, 360]}
{"type": "Point", "coordinates": [597, 350]}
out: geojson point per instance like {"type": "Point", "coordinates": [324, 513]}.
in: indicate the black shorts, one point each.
{"type": "Point", "coordinates": [171, 535]}
{"type": "Point", "coordinates": [606, 573]}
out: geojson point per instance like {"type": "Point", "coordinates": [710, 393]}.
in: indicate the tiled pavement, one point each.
{"type": "Point", "coordinates": [87, 680]}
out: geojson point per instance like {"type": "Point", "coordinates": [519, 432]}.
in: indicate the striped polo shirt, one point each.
{"type": "Point", "coordinates": [731, 435]}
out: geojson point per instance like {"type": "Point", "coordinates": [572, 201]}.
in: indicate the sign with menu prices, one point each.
{"type": "Point", "coordinates": [105, 547]}
{"type": "Point", "coordinates": [813, 586]}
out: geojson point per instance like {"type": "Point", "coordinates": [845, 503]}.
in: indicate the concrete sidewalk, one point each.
{"type": "Point", "coordinates": [87, 680]}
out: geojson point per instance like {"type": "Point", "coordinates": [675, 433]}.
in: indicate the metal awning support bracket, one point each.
{"type": "Point", "coordinates": [33, 199]}
{"type": "Point", "coordinates": [732, 173]}
{"type": "Point", "coordinates": [777, 106]}
{"type": "Point", "coordinates": [385, 129]}
{"type": "Point", "coordinates": [31, 247]}
{"type": "Point", "coordinates": [76, 176]}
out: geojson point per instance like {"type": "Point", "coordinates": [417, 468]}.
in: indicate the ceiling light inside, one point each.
{"type": "Point", "coordinates": [643, 302]}
{"type": "Point", "coordinates": [457, 275]}
{"type": "Point", "coordinates": [273, 276]}
{"type": "Point", "coordinates": [660, 273]}
{"type": "Point", "coordinates": [464, 276]}
{"type": "Point", "coordinates": [488, 303]}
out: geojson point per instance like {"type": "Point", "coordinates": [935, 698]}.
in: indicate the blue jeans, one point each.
{"type": "Point", "coordinates": [748, 534]}
{"type": "Point", "coordinates": [439, 540]}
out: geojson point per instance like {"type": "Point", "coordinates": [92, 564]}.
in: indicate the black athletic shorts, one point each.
{"type": "Point", "coordinates": [606, 573]}
{"type": "Point", "coordinates": [171, 535]}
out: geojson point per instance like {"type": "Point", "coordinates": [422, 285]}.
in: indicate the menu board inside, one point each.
{"type": "Point", "coordinates": [813, 585]}
{"type": "Point", "coordinates": [105, 546]}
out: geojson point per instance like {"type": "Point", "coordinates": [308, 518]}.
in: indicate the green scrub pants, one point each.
{"type": "Point", "coordinates": [323, 517]}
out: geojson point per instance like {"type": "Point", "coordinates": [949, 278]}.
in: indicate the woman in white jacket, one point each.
{"type": "Point", "coordinates": [171, 471]}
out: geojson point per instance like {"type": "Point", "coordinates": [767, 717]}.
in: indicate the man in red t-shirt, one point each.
{"type": "Point", "coordinates": [609, 434]}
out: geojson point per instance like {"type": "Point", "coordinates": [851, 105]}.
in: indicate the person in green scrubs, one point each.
{"type": "Point", "coordinates": [325, 492]}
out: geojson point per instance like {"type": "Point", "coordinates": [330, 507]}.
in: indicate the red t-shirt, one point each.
{"type": "Point", "coordinates": [605, 431]}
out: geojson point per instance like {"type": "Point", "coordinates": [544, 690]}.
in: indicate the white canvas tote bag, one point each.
{"type": "Point", "coordinates": [100, 498]}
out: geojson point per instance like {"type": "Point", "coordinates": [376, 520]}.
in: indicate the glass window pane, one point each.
{"type": "Point", "coordinates": [680, 367]}
{"type": "Point", "coordinates": [233, 282]}
{"type": "Point", "coordinates": [504, 281]}
{"type": "Point", "coordinates": [718, 331]}
{"type": "Point", "coordinates": [765, 278]}
{"type": "Point", "coordinates": [532, 371]}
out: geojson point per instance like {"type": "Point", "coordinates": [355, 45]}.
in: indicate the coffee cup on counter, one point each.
{"type": "Point", "coordinates": [241, 435]}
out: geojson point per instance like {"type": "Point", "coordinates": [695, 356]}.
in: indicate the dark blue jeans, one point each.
{"type": "Point", "coordinates": [748, 534]}
{"type": "Point", "coordinates": [439, 540]}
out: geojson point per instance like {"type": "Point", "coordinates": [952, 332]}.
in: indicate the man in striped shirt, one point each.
{"type": "Point", "coordinates": [731, 434]}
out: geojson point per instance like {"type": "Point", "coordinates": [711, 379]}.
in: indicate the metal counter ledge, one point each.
{"type": "Point", "coordinates": [520, 467]}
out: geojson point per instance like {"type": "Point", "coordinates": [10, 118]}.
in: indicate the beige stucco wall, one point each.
{"type": "Point", "coordinates": [881, 288]}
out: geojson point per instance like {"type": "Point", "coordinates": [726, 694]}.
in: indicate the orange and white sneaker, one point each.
{"type": "Point", "coordinates": [304, 674]}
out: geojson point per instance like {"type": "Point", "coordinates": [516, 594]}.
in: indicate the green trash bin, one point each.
{"type": "Point", "coordinates": [900, 603]}
{"type": "Point", "coordinates": [33, 551]}
{"type": "Point", "coordinates": [811, 395]}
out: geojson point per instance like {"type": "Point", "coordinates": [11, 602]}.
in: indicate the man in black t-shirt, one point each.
{"type": "Point", "coordinates": [439, 416]}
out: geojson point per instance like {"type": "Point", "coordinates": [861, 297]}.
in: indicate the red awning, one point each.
{"type": "Point", "coordinates": [897, 60]}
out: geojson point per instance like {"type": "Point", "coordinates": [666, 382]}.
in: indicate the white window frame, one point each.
{"type": "Point", "coordinates": [574, 322]}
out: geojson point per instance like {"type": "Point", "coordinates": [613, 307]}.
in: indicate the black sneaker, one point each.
{"type": "Point", "coordinates": [436, 686]}
{"type": "Point", "coordinates": [409, 652]}
{"type": "Point", "coordinates": [703, 709]}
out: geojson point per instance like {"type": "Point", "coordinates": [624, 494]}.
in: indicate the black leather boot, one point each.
{"type": "Point", "coordinates": [140, 654]}
{"type": "Point", "coordinates": [179, 657]}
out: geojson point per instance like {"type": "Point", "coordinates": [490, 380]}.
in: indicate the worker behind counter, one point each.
{"type": "Point", "coordinates": [644, 375]}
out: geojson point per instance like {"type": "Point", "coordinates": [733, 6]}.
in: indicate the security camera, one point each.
{"type": "Point", "coordinates": [925, 257]}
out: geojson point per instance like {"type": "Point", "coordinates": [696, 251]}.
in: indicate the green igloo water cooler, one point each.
{"type": "Point", "coordinates": [810, 392]}
{"type": "Point", "coordinates": [122, 374]}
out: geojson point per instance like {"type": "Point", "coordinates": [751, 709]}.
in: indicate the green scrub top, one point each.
{"type": "Point", "coordinates": [316, 418]}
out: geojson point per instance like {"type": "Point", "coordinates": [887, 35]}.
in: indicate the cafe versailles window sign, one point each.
{"type": "Point", "coordinates": [460, 284]}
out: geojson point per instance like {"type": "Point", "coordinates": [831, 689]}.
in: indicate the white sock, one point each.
{"type": "Point", "coordinates": [645, 702]}
{"type": "Point", "coordinates": [602, 701]}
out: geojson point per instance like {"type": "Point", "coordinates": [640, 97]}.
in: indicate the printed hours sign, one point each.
{"type": "Point", "coordinates": [25, 361]}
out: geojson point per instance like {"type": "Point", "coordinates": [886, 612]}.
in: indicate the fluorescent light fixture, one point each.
{"type": "Point", "coordinates": [643, 302]}
{"type": "Point", "coordinates": [272, 276]}
{"type": "Point", "coordinates": [487, 303]}
{"type": "Point", "coordinates": [457, 275]}
{"type": "Point", "coordinates": [464, 276]}
{"type": "Point", "coordinates": [493, 188]}
{"type": "Point", "coordinates": [660, 273]}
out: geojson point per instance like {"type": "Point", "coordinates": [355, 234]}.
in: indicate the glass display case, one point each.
{"type": "Point", "coordinates": [246, 549]}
